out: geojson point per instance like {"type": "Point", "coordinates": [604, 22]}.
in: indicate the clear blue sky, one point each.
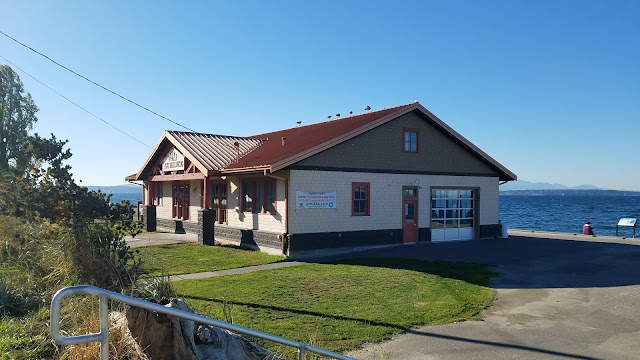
{"type": "Point", "coordinates": [550, 89]}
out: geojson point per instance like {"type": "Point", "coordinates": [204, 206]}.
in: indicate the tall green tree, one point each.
{"type": "Point", "coordinates": [17, 116]}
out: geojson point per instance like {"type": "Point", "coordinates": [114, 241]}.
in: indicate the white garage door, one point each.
{"type": "Point", "coordinates": [452, 213]}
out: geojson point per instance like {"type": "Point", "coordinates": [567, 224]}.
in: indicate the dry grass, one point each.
{"type": "Point", "coordinates": [82, 318]}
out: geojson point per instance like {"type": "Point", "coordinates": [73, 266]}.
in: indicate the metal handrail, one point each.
{"type": "Point", "coordinates": [103, 336]}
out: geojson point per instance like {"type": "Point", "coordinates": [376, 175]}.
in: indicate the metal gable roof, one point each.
{"type": "Point", "coordinates": [207, 151]}
{"type": "Point", "coordinates": [214, 152]}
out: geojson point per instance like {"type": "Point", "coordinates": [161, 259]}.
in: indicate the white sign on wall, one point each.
{"type": "Point", "coordinates": [315, 200]}
{"type": "Point", "coordinates": [173, 161]}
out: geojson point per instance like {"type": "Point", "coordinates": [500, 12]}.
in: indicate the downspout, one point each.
{"type": "Point", "coordinates": [285, 236]}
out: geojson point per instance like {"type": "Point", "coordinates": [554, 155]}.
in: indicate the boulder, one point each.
{"type": "Point", "coordinates": [164, 337]}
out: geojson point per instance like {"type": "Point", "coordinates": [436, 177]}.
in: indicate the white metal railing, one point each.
{"type": "Point", "coordinates": [103, 336]}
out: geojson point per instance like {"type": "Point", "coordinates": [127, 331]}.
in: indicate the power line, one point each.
{"type": "Point", "coordinates": [69, 100]}
{"type": "Point", "coordinates": [95, 83]}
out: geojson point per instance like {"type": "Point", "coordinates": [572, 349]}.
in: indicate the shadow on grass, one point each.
{"type": "Point", "coordinates": [472, 273]}
{"type": "Point", "coordinates": [393, 326]}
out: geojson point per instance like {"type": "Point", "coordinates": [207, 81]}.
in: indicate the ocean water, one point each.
{"type": "Point", "coordinates": [132, 197]}
{"type": "Point", "coordinates": [568, 213]}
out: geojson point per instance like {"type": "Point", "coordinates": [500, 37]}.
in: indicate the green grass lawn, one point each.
{"type": "Point", "coordinates": [342, 306]}
{"type": "Point", "coordinates": [191, 258]}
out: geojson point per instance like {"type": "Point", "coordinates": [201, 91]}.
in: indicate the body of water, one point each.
{"type": "Point", "coordinates": [132, 197]}
{"type": "Point", "coordinates": [568, 213]}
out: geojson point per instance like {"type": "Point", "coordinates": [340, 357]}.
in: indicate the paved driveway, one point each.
{"type": "Point", "coordinates": [558, 296]}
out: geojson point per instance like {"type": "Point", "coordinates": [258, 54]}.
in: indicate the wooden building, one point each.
{"type": "Point", "coordinates": [394, 176]}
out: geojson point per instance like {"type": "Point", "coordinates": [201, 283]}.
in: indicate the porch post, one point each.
{"type": "Point", "coordinates": [205, 193]}
{"type": "Point", "coordinates": [149, 192]}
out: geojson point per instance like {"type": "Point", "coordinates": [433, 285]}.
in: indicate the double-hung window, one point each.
{"type": "Point", "coordinates": [259, 196]}
{"type": "Point", "coordinates": [156, 192]}
{"type": "Point", "coordinates": [410, 140]}
{"type": "Point", "coordinates": [360, 193]}
{"type": "Point", "coordinates": [270, 196]}
{"type": "Point", "coordinates": [219, 194]}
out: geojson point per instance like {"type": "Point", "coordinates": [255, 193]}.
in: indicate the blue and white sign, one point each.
{"type": "Point", "coordinates": [315, 200]}
{"type": "Point", "coordinates": [627, 222]}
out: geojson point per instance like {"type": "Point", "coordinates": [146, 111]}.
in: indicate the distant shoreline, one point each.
{"type": "Point", "coordinates": [570, 192]}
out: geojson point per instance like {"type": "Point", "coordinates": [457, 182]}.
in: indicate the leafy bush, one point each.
{"type": "Point", "coordinates": [102, 258]}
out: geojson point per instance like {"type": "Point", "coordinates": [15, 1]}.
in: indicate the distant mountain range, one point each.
{"type": "Point", "coordinates": [522, 187]}
{"type": "Point", "coordinates": [527, 185]}
{"type": "Point", "coordinates": [571, 192]}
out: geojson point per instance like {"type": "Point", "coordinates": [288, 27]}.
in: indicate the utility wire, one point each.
{"type": "Point", "coordinates": [69, 100]}
{"type": "Point", "coordinates": [95, 83]}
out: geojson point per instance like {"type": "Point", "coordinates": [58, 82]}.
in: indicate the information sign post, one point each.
{"type": "Point", "coordinates": [627, 222]}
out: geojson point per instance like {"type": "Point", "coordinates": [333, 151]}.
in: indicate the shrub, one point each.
{"type": "Point", "coordinates": [101, 257]}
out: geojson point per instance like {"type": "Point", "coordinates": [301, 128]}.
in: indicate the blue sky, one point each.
{"type": "Point", "coordinates": [550, 89]}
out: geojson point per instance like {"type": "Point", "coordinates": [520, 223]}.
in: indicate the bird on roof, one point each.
{"type": "Point", "coordinates": [329, 117]}
{"type": "Point", "coordinates": [298, 122]}
{"type": "Point", "coordinates": [368, 108]}
{"type": "Point", "coordinates": [338, 115]}
{"type": "Point", "coordinates": [350, 112]}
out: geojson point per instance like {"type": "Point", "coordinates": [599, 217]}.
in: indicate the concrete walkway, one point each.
{"type": "Point", "coordinates": [236, 271]}
{"type": "Point", "coordinates": [151, 239]}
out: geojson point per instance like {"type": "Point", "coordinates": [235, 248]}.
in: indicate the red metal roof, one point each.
{"type": "Point", "coordinates": [302, 139]}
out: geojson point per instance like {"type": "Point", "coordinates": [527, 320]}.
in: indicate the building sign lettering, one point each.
{"type": "Point", "coordinates": [315, 200]}
{"type": "Point", "coordinates": [173, 161]}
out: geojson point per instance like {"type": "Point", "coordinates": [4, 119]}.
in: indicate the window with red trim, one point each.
{"type": "Point", "coordinates": [360, 193]}
{"type": "Point", "coordinates": [410, 140]}
{"type": "Point", "coordinates": [259, 196]}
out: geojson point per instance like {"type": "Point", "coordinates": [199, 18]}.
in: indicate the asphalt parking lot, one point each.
{"type": "Point", "coordinates": [559, 296]}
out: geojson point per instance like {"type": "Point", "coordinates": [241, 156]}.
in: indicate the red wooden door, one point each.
{"type": "Point", "coordinates": [410, 223]}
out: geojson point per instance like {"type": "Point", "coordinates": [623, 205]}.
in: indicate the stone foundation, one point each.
{"type": "Point", "coordinates": [250, 238]}
{"type": "Point", "coordinates": [178, 226]}
{"type": "Point", "coordinates": [346, 239]}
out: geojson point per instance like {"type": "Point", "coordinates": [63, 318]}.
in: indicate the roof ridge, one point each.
{"type": "Point", "coordinates": [208, 134]}
{"type": "Point", "coordinates": [336, 119]}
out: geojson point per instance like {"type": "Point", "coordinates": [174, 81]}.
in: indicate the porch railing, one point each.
{"type": "Point", "coordinates": [103, 336]}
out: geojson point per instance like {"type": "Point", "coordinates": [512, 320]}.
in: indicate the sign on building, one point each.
{"type": "Point", "coordinates": [315, 200]}
{"type": "Point", "coordinates": [173, 161]}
